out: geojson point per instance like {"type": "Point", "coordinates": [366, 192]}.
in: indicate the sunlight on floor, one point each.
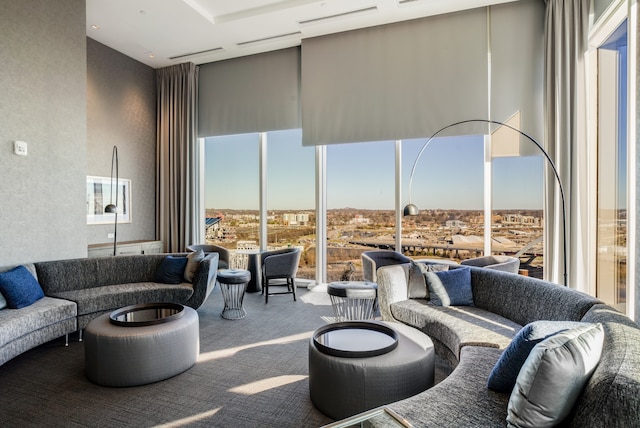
{"type": "Point", "coordinates": [190, 419]}
{"type": "Point", "coordinates": [317, 295]}
{"type": "Point", "coordinates": [230, 352]}
{"type": "Point", "coordinates": [266, 384]}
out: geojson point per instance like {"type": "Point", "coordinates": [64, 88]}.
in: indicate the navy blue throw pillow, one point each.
{"type": "Point", "coordinates": [20, 288]}
{"type": "Point", "coordinates": [451, 287]}
{"type": "Point", "coordinates": [505, 372]}
{"type": "Point", "coordinates": [171, 270]}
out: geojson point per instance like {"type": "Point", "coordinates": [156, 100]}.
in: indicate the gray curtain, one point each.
{"type": "Point", "coordinates": [566, 27]}
{"type": "Point", "coordinates": [177, 203]}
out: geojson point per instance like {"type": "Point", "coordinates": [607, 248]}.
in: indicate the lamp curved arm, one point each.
{"type": "Point", "coordinates": [542, 150]}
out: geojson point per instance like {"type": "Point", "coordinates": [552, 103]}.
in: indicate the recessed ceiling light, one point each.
{"type": "Point", "coordinates": [152, 55]}
{"type": "Point", "coordinates": [142, 12]}
{"type": "Point", "coordinates": [95, 26]}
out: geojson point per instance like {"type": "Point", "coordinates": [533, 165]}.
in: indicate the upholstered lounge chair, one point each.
{"type": "Point", "coordinates": [224, 255]}
{"type": "Point", "coordinates": [373, 260]}
{"type": "Point", "coordinates": [280, 264]}
{"type": "Point", "coordinates": [503, 263]}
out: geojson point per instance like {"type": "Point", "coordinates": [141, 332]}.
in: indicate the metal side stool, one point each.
{"type": "Point", "coordinates": [353, 300]}
{"type": "Point", "coordinates": [233, 284]}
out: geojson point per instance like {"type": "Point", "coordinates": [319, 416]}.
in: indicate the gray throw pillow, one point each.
{"type": "Point", "coordinates": [3, 302]}
{"type": "Point", "coordinates": [451, 287]}
{"type": "Point", "coordinates": [505, 372]}
{"type": "Point", "coordinates": [553, 376]}
{"type": "Point", "coordinates": [193, 262]}
{"type": "Point", "coordinates": [417, 281]}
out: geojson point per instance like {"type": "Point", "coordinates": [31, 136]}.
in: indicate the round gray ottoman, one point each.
{"type": "Point", "coordinates": [129, 356]}
{"type": "Point", "coordinates": [343, 386]}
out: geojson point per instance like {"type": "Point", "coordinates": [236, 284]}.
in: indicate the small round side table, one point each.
{"type": "Point", "coordinates": [233, 284]}
{"type": "Point", "coordinates": [353, 300]}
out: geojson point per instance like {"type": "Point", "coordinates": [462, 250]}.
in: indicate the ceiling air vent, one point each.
{"type": "Point", "coordinates": [197, 53]}
{"type": "Point", "coordinates": [350, 13]}
{"type": "Point", "coordinates": [270, 38]}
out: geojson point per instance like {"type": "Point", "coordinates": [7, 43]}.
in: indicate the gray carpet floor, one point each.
{"type": "Point", "coordinates": [250, 373]}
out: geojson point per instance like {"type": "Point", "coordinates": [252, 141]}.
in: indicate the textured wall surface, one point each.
{"type": "Point", "coordinates": [121, 111]}
{"type": "Point", "coordinates": [43, 102]}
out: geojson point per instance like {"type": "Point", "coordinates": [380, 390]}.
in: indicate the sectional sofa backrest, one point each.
{"type": "Point", "coordinates": [524, 299]}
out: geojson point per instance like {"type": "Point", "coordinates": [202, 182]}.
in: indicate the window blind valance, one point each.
{"type": "Point", "coordinates": [250, 94]}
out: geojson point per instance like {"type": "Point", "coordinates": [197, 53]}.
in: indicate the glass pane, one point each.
{"type": "Point", "coordinates": [611, 267]}
{"type": "Point", "coordinates": [360, 205]}
{"type": "Point", "coordinates": [447, 188]}
{"type": "Point", "coordinates": [291, 197]}
{"type": "Point", "coordinates": [517, 225]}
{"type": "Point", "coordinates": [232, 193]}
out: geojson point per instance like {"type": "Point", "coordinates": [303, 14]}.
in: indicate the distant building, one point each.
{"type": "Point", "coordinates": [451, 224]}
{"type": "Point", "coordinates": [214, 229]}
{"type": "Point", "coordinates": [520, 220]}
{"type": "Point", "coordinates": [359, 219]}
{"type": "Point", "coordinates": [297, 219]}
{"type": "Point", "coordinates": [247, 245]}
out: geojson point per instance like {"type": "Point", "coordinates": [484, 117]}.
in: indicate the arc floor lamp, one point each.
{"type": "Point", "coordinates": [113, 208]}
{"type": "Point", "coordinates": [411, 209]}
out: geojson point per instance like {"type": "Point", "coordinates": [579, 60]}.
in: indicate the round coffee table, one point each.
{"type": "Point", "coordinates": [355, 366]}
{"type": "Point", "coordinates": [141, 344]}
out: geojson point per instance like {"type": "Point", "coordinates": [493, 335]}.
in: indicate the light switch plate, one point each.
{"type": "Point", "coordinates": [20, 148]}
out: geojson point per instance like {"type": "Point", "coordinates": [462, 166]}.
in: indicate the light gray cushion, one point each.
{"type": "Point", "coordinates": [193, 262]}
{"type": "Point", "coordinates": [3, 302]}
{"type": "Point", "coordinates": [553, 377]}
{"type": "Point", "coordinates": [504, 374]}
{"type": "Point", "coordinates": [451, 287]}
{"type": "Point", "coordinates": [417, 282]}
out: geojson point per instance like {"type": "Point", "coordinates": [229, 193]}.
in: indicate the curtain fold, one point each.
{"type": "Point", "coordinates": [566, 29]}
{"type": "Point", "coordinates": [177, 201]}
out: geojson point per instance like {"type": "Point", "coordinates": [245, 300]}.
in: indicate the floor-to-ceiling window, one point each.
{"type": "Point", "coordinates": [232, 189]}
{"type": "Point", "coordinates": [447, 188]}
{"type": "Point", "coordinates": [360, 205]}
{"type": "Point", "coordinates": [290, 196]}
{"type": "Point", "coordinates": [232, 195]}
{"type": "Point", "coordinates": [517, 215]}
{"type": "Point", "coordinates": [611, 256]}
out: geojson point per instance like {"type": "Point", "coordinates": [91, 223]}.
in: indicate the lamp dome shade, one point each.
{"type": "Point", "coordinates": [111, 209]}
{"type": "Point", "coordinates": [411, 209]}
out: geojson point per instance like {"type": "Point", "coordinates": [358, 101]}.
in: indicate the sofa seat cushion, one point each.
{"type": "Point", "coordinates": [111, 297]}
{"type": "Point", "coordinates": [456, 326]}
{"type": "Point", "coordinates": [44, 312]}
{"type": "Point", "coordinates": [476, 405]}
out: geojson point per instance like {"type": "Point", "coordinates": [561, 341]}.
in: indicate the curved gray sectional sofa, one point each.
{"type": "Point", "coordinates": [79, 290]}
{"type": "Point", "coordinates": [472, 338]}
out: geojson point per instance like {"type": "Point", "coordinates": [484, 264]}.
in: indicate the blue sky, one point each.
{"type": "Point", "coordinates": [449, 174]}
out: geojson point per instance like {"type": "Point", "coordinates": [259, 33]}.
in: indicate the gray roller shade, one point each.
{"type": "Point", "coordinates": [397, 81]}
{"type": "Point", "coordinates": [410, 79]}
{"type": "Point", "coordinates": [256, 93]}
{"type": "Point", "coordinates": [517, 71]}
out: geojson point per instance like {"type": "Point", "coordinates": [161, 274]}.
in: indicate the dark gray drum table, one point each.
{"type": "Point", "coordinates": [356, 366]}
{"type": "Point", "coordinates": [141, 344]}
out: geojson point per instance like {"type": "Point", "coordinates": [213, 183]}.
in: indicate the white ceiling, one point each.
{"type": "Point", "coordinates": [166, 32]}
